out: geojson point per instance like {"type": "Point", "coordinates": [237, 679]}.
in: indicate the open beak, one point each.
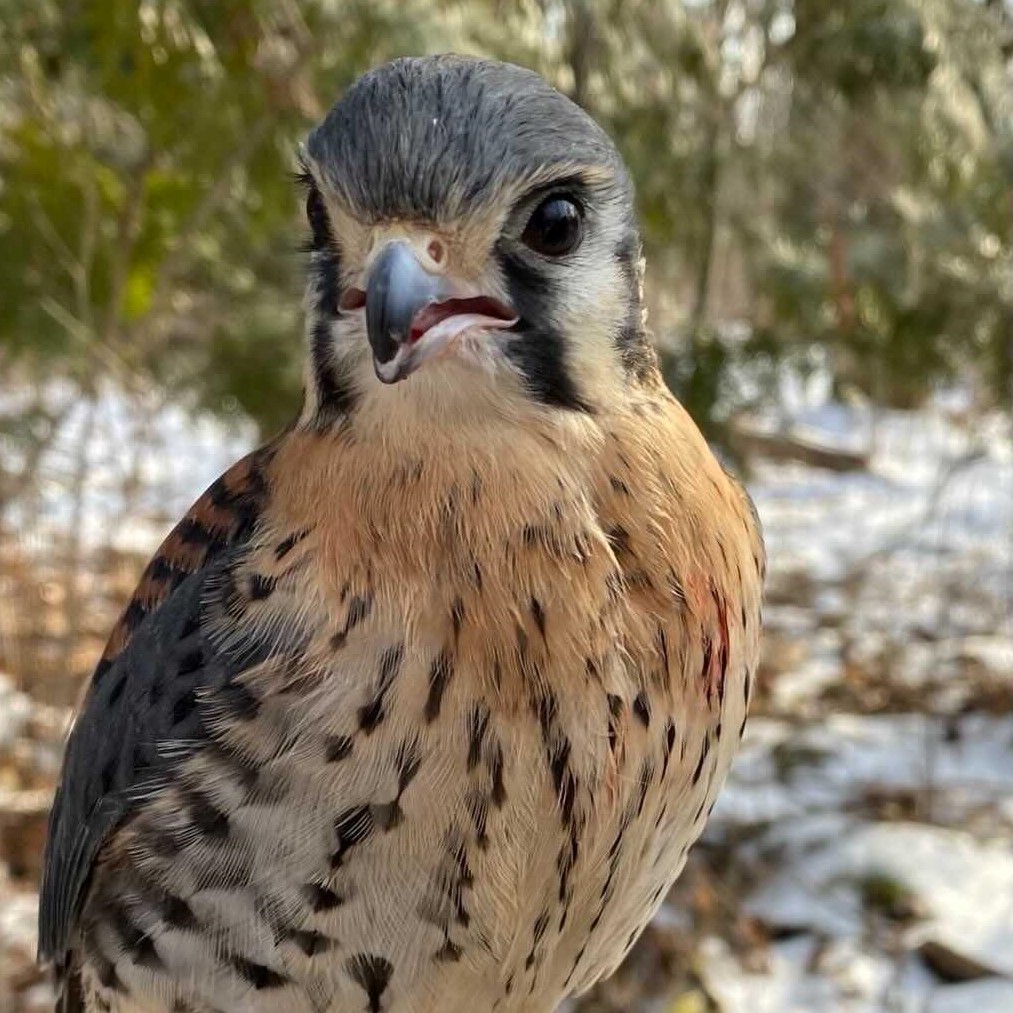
{"type": "Point", "coordinates": [413, 314]}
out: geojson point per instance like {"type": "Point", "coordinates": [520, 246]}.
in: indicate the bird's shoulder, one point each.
{"type": "Point", "coordinates": [224, 515]}
{"type": "Point", "coordinates": [658, 473]}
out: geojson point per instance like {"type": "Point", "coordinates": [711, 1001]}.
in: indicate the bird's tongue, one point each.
{"type": "Point", "coordinates": [480, 308]}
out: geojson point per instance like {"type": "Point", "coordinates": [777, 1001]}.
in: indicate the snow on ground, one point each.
{"type": "Point", "coordinates": [787, 771]}
{"type": "Point", "coordinates": [960, 890]}
{"type": "Point", "coordinates": [881, 842]}
{"type": "Point", "coordinates": [938, 498]}
{"type": "Point", "coordinates": [806, 976]}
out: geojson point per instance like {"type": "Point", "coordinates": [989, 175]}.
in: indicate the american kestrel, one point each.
{"type": "Point", "coordinates": [421, 705]}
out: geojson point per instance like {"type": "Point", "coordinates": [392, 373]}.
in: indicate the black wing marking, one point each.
{"type": "Point", "coordinates": [147, 713]}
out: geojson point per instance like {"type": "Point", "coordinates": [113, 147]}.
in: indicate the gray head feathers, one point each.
{"type": "Point", "coordinates": [432, 137]}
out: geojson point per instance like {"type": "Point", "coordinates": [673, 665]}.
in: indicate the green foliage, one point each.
{"type": "Point", "coordinates": [887, 896]}
{"type": "Point", "coordinates": [147, 157]}
{"type": "Point", "coordinates": [831, 174]}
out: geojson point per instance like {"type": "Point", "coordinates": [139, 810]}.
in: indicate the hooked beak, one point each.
{"type": "Point", "coordinates": [413, 314]}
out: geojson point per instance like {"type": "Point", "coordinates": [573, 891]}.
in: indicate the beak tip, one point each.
{"type": "Point", "coordinates": [392, 371]}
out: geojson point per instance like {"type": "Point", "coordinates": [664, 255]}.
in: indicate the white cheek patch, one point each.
{"type": "Point", "coordinates": [592, 296]}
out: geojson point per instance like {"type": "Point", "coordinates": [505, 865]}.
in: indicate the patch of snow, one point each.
{"type": "Point", "coordinates": [993, 995]}
{"type": "Point", "coordinates": [795, 689]}
{"type": "Point", "coordinates": [784, 770]}
{"type": "Point", "coordinates": [938, 501]}
{"type": "Point", "coordinates": [804, 976]}
{"type": "Point", "coordinates": [964, 886]}
{"type": "Point", "coordinates": [15, 711]}
{"type": "Point", "coordinates": [811, 975]}
{"type": "Point", "coordinates": [19, 913]}
{"type": "Point", "coordinates": [994, 653]}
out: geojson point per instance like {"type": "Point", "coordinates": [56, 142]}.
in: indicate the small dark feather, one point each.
{"type": "Point", "coordinates": [310, 942]}
{"type": "Point", "coordinates": [338, 747]}
{"type": "Point", "coordinates": [258, 975]}
{"type": "Point", "coordinates": [320, 898]}
{"type": "Point", "coordinates": [642, 708]}
{"type": "Point", "coordinates": [439, 675]}
{"type": "Point", "coordinates": [372, 973]}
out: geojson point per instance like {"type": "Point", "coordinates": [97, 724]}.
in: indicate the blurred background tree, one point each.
{"type": "Point", "coordinates": [809, 177]}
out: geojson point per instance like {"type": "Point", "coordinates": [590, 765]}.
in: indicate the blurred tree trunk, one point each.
{"type": "Point", "coordinates": [581, 49]}
{"type": "Point", "coordinates": [74, 555]}
{"type": "Point", "coordinates": [710, 184]}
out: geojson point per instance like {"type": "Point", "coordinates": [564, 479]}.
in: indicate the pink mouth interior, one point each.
{"type": "Point", "coordinates": [430, 315]}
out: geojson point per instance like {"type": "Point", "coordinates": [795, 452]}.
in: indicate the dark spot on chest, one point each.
{"type": "Point", "coordinates": [286, 545]}
{"type": "Point", "coordinates": [615, 708]}
{"type": "Point", "coordinates": [448, 953]}
{"type": "Point", "coordinates": [372, 712]}
{"type": "Point", "coordinates": [194, 533]}
{"type": "Point", "coordinates": [618, 539]}
{"type": "Point", "coordinates": [105, 972]}
{"type": "Point", "coordinates": [457, 617]}
{"type": "Point", "coordinates": [237, 701]}
{"type": "Point", "coordinates": [358, 611]}
{"type": "Point", "coordinates": [704, 750]}
{"type": "Point", "coordinates": [261, 587]}
{"type": "Point", "coordinates": [499, 793]}
{"type": "Point", "coordinates": [372, 973]}
{"type": "Point", "coordinates": [310, 942]}
{"type": "Point", "coordinates": [439, 675]}
{"type": "Point", "coordinates": [642, 708]}
{"type": "Point", "coordinates": [207, 818]}
{"type": "Point", "coordinates": [176, 913]}
{"type": "Point", "coordinates": [338, 748]}
{"type": "Point", "coordinates": [669, 744]}
{"type": "Point", "coordinates": [352, 827]}
{"type": "Point", "coordinates": [478, 809]}
{"type": "Point", "coordinates": [478, 722]}
{"type": "Point", "coordinates": [137, 944]}
{"type": "Point", "coordinates": [538, 614]}
{"type": "Point", "coordinates": [320, 898]}
{"type": "Point", "coordinates": [258, 975]}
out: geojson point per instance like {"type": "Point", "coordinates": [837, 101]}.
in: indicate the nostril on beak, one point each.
{"type": "Point", "coordinates": [437, 251]}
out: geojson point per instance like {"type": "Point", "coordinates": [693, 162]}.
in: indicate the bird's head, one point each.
{"type": "Point", "coordinates": [473, 240]}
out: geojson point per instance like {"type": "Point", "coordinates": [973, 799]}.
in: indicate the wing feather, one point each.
{"type": "Point", "coordinates": [141, 705]}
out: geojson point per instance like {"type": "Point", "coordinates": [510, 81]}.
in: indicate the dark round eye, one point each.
{"type": "Point", "coordinates": [555, 228]}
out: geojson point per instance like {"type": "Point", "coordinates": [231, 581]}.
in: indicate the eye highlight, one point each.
{"type": "Point", "coordinates": [555, 227]}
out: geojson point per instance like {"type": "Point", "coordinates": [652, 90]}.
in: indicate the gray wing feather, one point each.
{"type": "Point", "coordinates": [137, 721]}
